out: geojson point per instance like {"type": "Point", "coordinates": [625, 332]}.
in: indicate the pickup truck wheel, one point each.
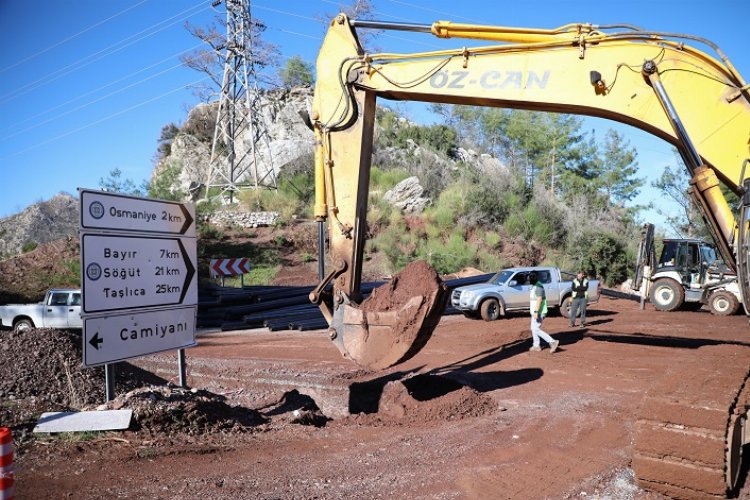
{"type": "Point", "coordinates": [667, 295]}
{"type": "Point", "coordinates": [23, 325]}
{"type": "Point", "coordinates": [723, 303]}
{"type": "Point", "coordinates": [565, 307]}
{"type": "Point", "coordinates": [490, 310]}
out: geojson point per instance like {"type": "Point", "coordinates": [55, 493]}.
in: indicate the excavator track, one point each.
{"type": "Point", "coordinates": [690, 429]}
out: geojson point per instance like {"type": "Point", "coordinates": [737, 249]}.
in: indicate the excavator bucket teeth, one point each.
{"type": "Point", "coordinates": [396, 321]}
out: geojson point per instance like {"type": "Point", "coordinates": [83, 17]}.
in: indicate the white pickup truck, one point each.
{"type": "Point", "coordinates": [509, 290]}
{"type": "Point", "coordinates": [60, 309]}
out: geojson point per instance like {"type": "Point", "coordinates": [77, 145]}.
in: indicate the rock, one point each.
{"type": "Point", "coordinates": [228, 218]}
{"type": "Point", "coordinates": [287, 141]}
{"type": "Point", "coordinates": [407, 196]}
{"type": "Point", "coordinates": [40, 223]}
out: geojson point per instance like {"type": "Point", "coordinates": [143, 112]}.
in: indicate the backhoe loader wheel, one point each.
{"type": "Point", "coordinates": [667, 295]}
{"type": "Point", "coordinates": [490, 310]}
{"type": "Point", "coordinates": [723, 303]}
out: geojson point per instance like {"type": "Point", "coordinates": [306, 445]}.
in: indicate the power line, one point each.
{"type": "Point", "coordinates": [427, 9]}
{"type": "Point", "coordinates": [55, 75]}
{"type": "Point", "coordinates": [120, 90]}
{"type": "Point", "coordinates": [85, 105]}
{"type": "Point", "coordinates": [113, 82]}
{"type": "Point", "coordinates": [71, 37]}
{"type": "Point", "coordinates": [112, 115]}
{"type": "Point", "coordinates": [101, 120]}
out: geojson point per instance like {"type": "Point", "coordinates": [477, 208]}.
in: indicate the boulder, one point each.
{"type": "Point", "coordinates": [407, 196]}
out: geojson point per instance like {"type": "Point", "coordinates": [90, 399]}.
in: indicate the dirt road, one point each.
{"type": "Point", "coordinates": [474, 415]}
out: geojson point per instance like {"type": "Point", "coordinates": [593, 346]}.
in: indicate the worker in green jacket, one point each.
{"type": "Point", "coordinates": [538, 308]}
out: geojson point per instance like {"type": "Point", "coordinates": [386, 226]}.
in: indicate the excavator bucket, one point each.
{"type": "Point", "coordinates": [395, 321]}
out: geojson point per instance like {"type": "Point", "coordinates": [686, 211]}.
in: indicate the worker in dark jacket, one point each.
{"type": "Point", "coordinates": [580, 299]}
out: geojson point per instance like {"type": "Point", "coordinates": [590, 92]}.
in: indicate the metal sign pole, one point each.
{"type": "Point", "coordinates": [182, 367]}
{"type": "Point", "coordinates": [109, 382]}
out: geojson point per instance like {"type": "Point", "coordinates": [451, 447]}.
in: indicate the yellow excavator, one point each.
{"type": "Point", "coordinates": [658, 82]}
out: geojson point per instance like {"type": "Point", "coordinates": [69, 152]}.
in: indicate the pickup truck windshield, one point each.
{"type": "Point", "coordinates": [500, 277]}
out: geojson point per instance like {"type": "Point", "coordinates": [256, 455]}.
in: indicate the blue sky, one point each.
{"type": "Point", "coordinates": [86, 86]}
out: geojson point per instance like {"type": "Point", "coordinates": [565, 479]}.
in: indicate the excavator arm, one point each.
{"type": "Point", "coordinates": [652, 81]}
{"type": "Point", "coordinates": [689, 441]}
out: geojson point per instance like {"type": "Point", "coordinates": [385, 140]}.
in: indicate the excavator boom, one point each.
{"type": "Point", "coordinates": [654, 81]}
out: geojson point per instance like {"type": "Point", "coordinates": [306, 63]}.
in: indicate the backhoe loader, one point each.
{"type": "Point", "coordinates": [689, 438]}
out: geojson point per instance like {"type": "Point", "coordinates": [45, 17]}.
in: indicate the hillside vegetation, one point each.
{"type": "Point", "coordinates": [501, 188]}
{"type": "Point", "coordinates": [557, 195]}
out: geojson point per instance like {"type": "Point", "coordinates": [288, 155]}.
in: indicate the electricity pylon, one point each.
{"type": "Point", "coordinates": [240, 151]}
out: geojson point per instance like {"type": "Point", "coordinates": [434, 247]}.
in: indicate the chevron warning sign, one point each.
{"type": "Point", "coordinates": [229, 267]}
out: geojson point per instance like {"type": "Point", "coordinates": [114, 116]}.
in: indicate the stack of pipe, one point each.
{"type": "Point", "coordinates": [278, 307]}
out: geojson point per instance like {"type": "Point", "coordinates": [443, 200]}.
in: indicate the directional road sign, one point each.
{"type": "Point", "coordinates": [118, 212]}
{"type": "Point", "coordinates": [112, 338]}
{"type": "Point", "coordinates": [126, 272]}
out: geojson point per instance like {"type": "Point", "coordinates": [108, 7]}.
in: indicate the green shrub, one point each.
{"type": "Point", "coordinates": [163, 187]}
{"type": "Point", "coordinates": [607, 257]}
{"type": "Point", "coordinates": [383, 180]}
{"type": "Point", "coordinates": [492, 239]}
{"type": "Point", "coordinates": [286, 203]}
{"type": "Point", "coordinates": [379, 212]}
{"type": "Point", "coordinates": [452, 203]}
{"type": "Point", "coordinates": [280, 240]}
{"type": "Point", "coordinates": [398, 245]}
{"type": "Point", "coordinates": [29, 246]}
{"type": "Point", "coordinates": [209, 232]}
{"type": "Point", "coordinates": [532, 225]}
{"type": "Point", "coordinates": [448, 256]}
{"type": "Point", "coordinates": [489, 262]}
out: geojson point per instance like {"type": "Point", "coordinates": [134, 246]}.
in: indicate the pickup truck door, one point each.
{"type": "Point", "coordinates": [56, 310]}
{"type": "Point", "coordinates": [517, 295]}
{"type": "Point", "coordinates": [551, 288]}
{"type": "Point", "coordinates": [74, 311]}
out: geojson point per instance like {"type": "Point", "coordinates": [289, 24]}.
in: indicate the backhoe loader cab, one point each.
{"type": "Point", "coordinates": [690, 259]}
{"type": "Point", "coordinates": [688, 274]}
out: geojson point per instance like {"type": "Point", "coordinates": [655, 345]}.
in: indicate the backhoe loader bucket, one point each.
{"type": "Point", "coordinates": [396, 321]}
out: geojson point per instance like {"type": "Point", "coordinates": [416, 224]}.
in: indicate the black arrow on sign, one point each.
{"type": "Point", "coordinates": [190, 271]}
{"type": "Point", "coordinates": [95, 341]}
{"type": "Point", "coordinates": [188, 219]}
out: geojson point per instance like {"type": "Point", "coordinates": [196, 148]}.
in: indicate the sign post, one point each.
{"type": "Point", "coordinates": [139, 278]}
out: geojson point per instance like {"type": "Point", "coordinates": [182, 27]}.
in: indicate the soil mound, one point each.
{"type": "Point", "coordinates": [172, 410]}
{"type": "Point", "coordinates": [46, 365]}
{"type": "Point", "coordinates": [41, 372]}
{"type": "Point", "coordinates": [426, 398]}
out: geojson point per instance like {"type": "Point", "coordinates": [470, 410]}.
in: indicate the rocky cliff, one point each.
{"type": "Point", "coordinates": [40, 223]}
{"type": "Point", "coordinates": [286, 140]}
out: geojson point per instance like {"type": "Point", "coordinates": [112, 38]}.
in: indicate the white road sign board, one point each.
{"type": "Point", "coordinates": [112, 338]}
{"type": "Point", "coordinates": [126, 272]}
{"type": "Point", "coordinates": [118, 212]}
